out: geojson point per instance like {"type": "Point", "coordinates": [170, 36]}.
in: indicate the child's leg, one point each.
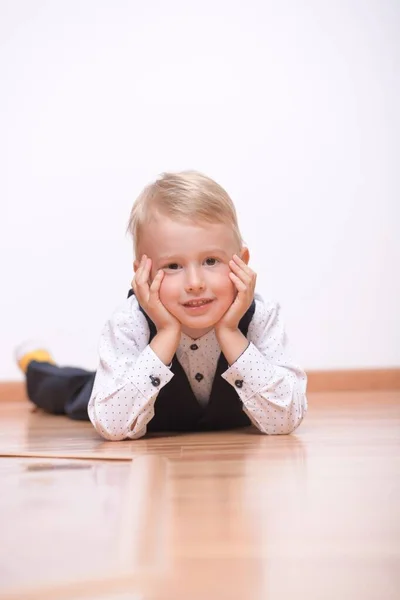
{"type": "Point", "coordinates": [59, 390]}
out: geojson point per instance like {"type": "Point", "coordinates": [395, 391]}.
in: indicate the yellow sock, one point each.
{"type": "Point", "coordinates": [39, 355]}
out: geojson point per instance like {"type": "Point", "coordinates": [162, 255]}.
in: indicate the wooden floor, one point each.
{"type": "Point", "coordinates": [233, 515]}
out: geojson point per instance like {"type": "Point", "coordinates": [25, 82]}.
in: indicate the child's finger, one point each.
{"type": "Point", "coordinates": [142, 262]}
{"type": "Point", "coordinates": [143, 271]}
{"type": "Point", "coordinates": [241, 273]}
{"type": "Point", "coordinates": [147, 269]}
{"type": "Point", "coordinates": [144, 267]}
{"type": "Point", "coordinates": [139, 270]}
{"type": "Point", "coordinates": [240, 286]}
{"type": "Point", "coordinates": [156, 283]}
{"type": "Point", "coordinates": [237, 260]}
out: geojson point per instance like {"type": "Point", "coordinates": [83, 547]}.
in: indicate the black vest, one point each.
{"type": "Point", "coordinates": [176, 407]}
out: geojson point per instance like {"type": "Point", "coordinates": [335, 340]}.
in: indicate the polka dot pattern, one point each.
{"type": "Point", "coordinates": [274, 388]}
{"type": "Point", "coordinates": [122, 403]}
{"type": "Point", "coordinates": [200, 361]}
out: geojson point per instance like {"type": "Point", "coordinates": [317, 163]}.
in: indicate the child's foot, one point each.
{"type": "Point", "coordinates": [29, 351]}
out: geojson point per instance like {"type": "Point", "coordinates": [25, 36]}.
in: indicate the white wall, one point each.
{"type": "Point", "coordinates": [292, 106]}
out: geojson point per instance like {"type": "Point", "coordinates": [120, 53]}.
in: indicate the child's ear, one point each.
{"type": "Point", "coordinates": [245, 255]}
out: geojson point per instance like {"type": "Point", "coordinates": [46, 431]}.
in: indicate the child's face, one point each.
{"type": "Point", "coordinates": [194, 258]}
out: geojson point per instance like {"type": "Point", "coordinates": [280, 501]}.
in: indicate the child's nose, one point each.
{"type": "Point", "coordinates": [194, 281]}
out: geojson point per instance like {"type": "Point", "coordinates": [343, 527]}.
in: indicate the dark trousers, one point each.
{"type": "Point", "coordinates": [60, 390]}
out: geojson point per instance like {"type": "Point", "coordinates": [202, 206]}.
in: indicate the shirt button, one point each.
{"type": "Point", "coordinates": [199, 376]}
{"type": "Point", "coordinates": [155, 381]}
{"type": "Point", "coordinates": [194, 347]}
{"type": "Point", "coordinates": [239, 383]}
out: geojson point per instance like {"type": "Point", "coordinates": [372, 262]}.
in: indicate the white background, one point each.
{"type": "Point", "coordinates": [292, 106]}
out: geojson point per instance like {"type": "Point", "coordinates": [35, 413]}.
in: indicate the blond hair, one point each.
{"type": "Point", "coordinates": [187, 195]}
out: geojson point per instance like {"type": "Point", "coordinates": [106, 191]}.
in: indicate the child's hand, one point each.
{"type": "Point", "coordinates": [149, 298]}
{"type": "Point", "coordinates": [245, 281]}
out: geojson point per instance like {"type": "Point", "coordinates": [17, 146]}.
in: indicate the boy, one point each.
{"type": "Point", "coordinates": [192, 348]}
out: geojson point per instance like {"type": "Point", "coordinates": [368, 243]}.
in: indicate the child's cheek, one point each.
{"type": "Point", "coordinates": [228, 285]}
{"type": "Point", "coordinates": [165, 292]}
{"type": "Point", "coordinates": [223, 274]}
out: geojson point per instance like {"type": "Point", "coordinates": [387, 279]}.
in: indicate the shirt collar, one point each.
{"type": "Point", "coordinates": [208, 340]}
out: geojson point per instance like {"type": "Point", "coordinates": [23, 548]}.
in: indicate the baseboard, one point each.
{"type": "Point", "coordinates": [318, 381]}
{"type": "Point", "coordinates": [12, 391]}
{"type": "Point", "coordinates": [360, 380]}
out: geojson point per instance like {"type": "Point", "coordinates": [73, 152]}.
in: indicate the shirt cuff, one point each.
{"type": "Point", "coordinates": [151, 374]}
{"type": "Point", "coordinates": [250, 373]}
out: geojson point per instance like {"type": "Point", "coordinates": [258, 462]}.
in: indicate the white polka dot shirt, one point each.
{"type": "Point", "coordinates": [130, 374]}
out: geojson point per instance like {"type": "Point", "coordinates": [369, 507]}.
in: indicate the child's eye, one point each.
{"type": "Point", "coordinates": [210, 262]}
{"type": "Point", "coordinates": [172, 266]}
